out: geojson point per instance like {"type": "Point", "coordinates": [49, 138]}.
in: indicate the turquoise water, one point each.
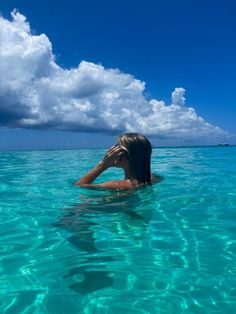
{"type": "Point", "coordinates": [169, 248]}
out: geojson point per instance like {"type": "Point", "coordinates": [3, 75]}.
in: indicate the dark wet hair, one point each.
{"type": "Point", "coordinates": [138, 150]}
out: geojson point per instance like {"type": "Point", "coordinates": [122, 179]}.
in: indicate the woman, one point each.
{"type": "Point", "coordinates": [132, 153]}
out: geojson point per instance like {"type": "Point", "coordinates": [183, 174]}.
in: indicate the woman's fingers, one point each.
{"type": "Point", "coordinates": [110, 149]}
{"type": "Point", "coordinates": [113, 150]}
{"type": "Point", "coordinates": [111, 157]}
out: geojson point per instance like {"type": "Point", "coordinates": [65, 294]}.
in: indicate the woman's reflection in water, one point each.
{"type": "Point", "coordinates": [106, 226]}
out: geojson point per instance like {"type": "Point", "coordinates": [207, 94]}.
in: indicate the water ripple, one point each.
{"type": "Point", "coordinates": [170, 248]}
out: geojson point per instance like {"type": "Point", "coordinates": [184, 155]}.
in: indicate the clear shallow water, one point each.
{"type": "Point", "coordinates": [169, 248]}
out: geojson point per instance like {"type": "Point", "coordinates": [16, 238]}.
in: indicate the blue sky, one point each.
{"type": "Point", "coordinates": [166, 44]}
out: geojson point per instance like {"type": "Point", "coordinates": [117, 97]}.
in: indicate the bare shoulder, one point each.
{"type": "Point", "coordinates": [156, 178]}
{"type": "Point", "coordinates": [115, 185]}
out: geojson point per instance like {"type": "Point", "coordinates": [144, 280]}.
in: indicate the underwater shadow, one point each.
{"type": "Point", "coordinates": [121, 215]}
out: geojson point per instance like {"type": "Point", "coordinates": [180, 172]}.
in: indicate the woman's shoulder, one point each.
{"type": "Point", "coordinates": [118, 184]}
{"type": "Point", "coordinates": [156, 178]}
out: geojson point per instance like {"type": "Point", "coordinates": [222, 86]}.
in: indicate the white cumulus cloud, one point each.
{"type": "Point", "coordinates": [37, 93]}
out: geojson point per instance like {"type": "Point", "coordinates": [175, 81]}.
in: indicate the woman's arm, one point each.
{"type": "Point", "coordinates": [92, 174]}
{"type": "Point", "coordinates": [111, 185]}
{"type": "Point", "coordinates": [109, 160]}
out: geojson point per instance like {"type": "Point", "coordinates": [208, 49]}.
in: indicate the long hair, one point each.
{"type": "Point", "coordinates": [139, 151]}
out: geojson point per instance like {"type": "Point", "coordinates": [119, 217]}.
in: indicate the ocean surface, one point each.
{"type": "Point", "coordinates": [167, 248]}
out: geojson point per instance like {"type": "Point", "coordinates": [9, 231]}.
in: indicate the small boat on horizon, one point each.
{"type": "Point", "coordinates": [223, 143]}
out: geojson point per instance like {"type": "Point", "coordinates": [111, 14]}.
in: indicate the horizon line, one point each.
{"type": "Point", "coordinates": [92, 148]}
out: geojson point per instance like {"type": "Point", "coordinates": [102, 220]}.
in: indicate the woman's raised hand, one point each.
{"type": "Point", "coordinates": [112, 156]}
{"type": "Point", "coordinates": [110, 159]}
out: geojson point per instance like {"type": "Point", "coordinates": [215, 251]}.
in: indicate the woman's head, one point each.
{"type": "Point", "coordinates": [137, 150]}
